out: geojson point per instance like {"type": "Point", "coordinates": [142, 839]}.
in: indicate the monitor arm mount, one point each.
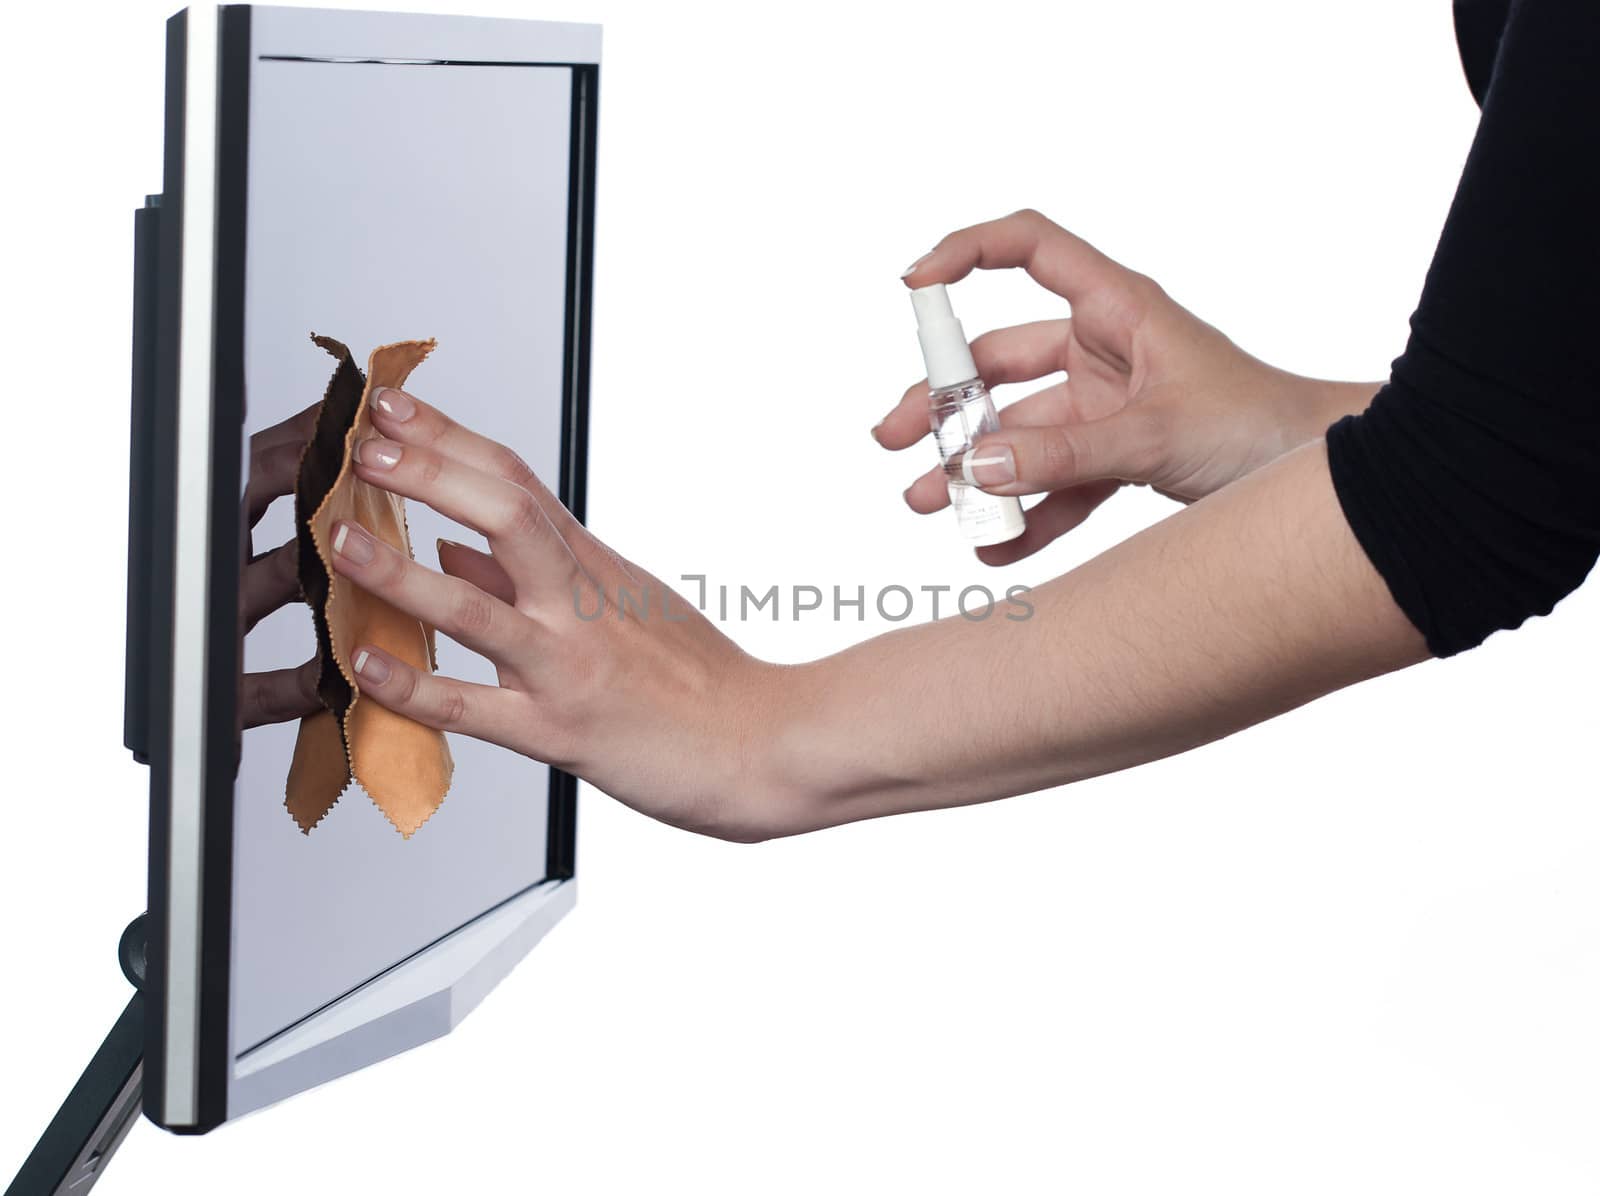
{"type": "Point", "coordinates": [102, 1106]}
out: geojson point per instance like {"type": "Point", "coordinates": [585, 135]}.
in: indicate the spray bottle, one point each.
{"type": "Point", "coordinates": [961, 412]}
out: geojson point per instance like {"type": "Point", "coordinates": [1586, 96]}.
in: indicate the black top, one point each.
{"type": "Point", "coordinates": [1479, 24]}
{"type": "Point", "coordinates": [1473, 479]}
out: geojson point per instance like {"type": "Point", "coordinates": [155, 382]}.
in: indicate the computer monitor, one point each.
{"type": "Point", "coordinates": [372, 177]}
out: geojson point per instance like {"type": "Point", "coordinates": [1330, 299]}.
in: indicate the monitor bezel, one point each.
{"type": "Point", "coordinates": [197, 413]}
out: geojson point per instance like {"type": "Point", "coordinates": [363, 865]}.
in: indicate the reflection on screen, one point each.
{"type": "Point", "coordinates": [390, 202]}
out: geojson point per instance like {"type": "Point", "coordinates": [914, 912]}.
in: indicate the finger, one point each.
{"type": "Point", "coordinates": [1052, 405]}
{"type": "Point", "coordinates": [907, 422]}
{"type": "Point", "coordinates": [1023, 460]}
{"type": "Point", "coordinates": [275, 454]}
{"type": "Point", "coordinates": [479, 568]}
{"type": "Point", "coordinates": [929, 493]}
{"type": "Point", "coordinates": [270, 581]}
{"type": "Point", "coordinates": [1053, 257]}
{"type": "Point", "coordinates": [408, 420]}
{"type": "Point", "coordinates": [279, 696]}
{"type": "Point", "coordinates": [1045, 458]}
{"type": "Point", "coordinates": [1017, 354]}
{"type": "Point", "coordinates": [444, 703]}
{"type": "Point", "coordinates": [1023, 352]}
{"type": "Point", "coordinates": [273, 472]}
{"type": "Point", "coordinates": [1049, 520]}
{"type": "Point", "coordinates": [520, 534]}
{"type": "Point", "coordinates": [297, 429]}
{"type": "Point", "coordinates": [459, 609]}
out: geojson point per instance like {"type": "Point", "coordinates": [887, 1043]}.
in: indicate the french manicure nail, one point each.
{"type": "Point", "coordinates": [995, 468]}
{"type": "Point", "coordinates": [371, 668]}
{"type": "Point", "coordinates": [353, 543]}
{"type": "Point", "coordinates": [912, 268]}
{"type": "Point", "coordinates": [378, 454]}
{"type": "Point", "coordinates": [396, 404]}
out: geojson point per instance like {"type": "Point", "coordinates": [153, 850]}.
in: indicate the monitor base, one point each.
{"type": "Point", "coordinates": [74, 1149]}
{"type": "Point", "coordinates": [419, 999]}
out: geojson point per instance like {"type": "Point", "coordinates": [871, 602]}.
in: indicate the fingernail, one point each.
{"type": "Point", "coordinates": [378, 454]}
{"type": "Point", "coordinates": [396, 404]}
{"type": "Point", "coordinates": [371, 668]}
{"type": "Point", "coordinates": [876, 428]}
{"type": "Point", "coordinates": [353, 543]}
{"type": "Point", "coordinates": [912, 268]}
{"type": "Point", "coordinates": [995, 468]}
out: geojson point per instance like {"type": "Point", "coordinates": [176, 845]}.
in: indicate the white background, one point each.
{"type": "Point", "coordinates": [1356, 949]}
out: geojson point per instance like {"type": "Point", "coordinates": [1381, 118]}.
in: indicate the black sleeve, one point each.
{"type": "Point", "coordinates": [1473, 479]}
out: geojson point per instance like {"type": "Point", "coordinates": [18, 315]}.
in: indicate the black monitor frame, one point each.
{"type": "Point", "coordinates": [191, 847]}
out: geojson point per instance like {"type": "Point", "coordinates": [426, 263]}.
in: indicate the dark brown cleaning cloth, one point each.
{"type": "Point", "coordinates": [404, 767]}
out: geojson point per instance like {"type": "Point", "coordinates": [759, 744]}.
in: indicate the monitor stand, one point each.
{"type": "Point", "coordinates": [73, 1152]}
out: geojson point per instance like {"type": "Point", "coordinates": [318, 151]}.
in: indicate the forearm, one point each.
{"type": "Point", "coordinates": [1247, 604]}
{"type": "Point", "coordinates": [1300, 409]}
{"type": "Point", "coordinates": [1335, 400]}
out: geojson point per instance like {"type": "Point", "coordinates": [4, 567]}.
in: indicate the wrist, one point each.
{"type": "Point", "coordinates": [803, 757]}
{"type": "Point", "coordinates": [767, 795]}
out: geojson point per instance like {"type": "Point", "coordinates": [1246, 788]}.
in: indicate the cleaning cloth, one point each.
{"type": "Point", "coordinates": [404, 766]}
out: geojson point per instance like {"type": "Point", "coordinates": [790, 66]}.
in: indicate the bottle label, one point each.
{"type": "Point", "coordinates": [981, 515]}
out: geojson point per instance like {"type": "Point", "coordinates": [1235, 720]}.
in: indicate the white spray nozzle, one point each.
{"type": "Point", "coordinates": [944, 344]}
{"type": "Point", "coordinates": [932, 303]}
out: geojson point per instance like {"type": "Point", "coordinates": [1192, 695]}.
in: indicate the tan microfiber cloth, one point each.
{"type": "Point", "coordinates": [404, 767]}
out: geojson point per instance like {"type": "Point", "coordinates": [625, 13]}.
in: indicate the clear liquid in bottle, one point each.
{"type": "Point", "coordinates": [960, 415]}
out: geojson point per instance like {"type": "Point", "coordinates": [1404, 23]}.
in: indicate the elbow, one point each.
{"type": "Point", "coordinates": [1515, 584]}
{"type": "Point", "coordinates": [1474, 503]}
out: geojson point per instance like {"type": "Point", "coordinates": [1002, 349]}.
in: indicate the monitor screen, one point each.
{"type": "Point", "coordinates": [378, 178]}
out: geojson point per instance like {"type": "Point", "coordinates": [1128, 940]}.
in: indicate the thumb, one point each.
{"type": "Point", "coordinates": [1035, 460]}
